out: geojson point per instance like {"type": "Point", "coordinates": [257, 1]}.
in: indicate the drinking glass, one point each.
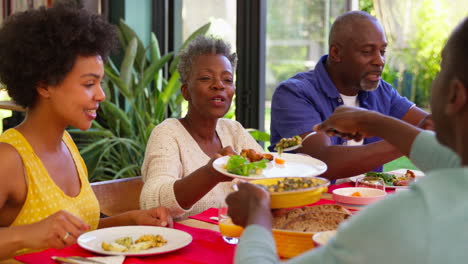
{"type": "Point", "coordinates": [229, 231]}
{"type": "Point", "coordinates": [371, 182]}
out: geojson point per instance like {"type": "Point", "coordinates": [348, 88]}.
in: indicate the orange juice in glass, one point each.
{"type": "Point", "coordinates": [229, 231]}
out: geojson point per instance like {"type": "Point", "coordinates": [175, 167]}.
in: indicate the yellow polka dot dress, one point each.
{"type": "Point", "coordinates": [44, 197]}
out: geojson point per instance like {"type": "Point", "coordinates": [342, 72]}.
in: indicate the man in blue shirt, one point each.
{"type": "Point", "coordinates": [349, 75]}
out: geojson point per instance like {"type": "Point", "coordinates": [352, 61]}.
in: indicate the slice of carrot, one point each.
{"type": "Point", "coordinates": [280, 161]}
{"type": "Point", "coordinates": [356, 194]}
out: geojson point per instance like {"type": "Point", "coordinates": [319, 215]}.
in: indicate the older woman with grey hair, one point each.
{"type": "Point", "coordinates": [177, 169]}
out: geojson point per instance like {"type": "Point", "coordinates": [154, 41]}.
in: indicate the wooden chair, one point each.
{"type": "Point", "coordinates": [118, 196]}
{"type": "Point", "coordinates": [10, 105]}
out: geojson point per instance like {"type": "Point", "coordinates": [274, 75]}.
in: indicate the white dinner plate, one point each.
{"type": "Point", "coordinates": [296, 165]}
{"type": "Point", "coordinates": [399, 172]}
{"type": "Point", "coordinates": [92, 240]}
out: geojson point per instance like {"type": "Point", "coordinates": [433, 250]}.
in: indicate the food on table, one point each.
{"type": "Point", "coordinates": [126, 244]}
{"type": "Point", "coordinates": [394, 180]}
{"type": "Point", "coordinates": [356, 194]}
{"type": "Point", "coordinates": [287, 142]}
{"type": "Point", "coordinates": [253, 155]}
{"type": "Point", "coordinates": [124, 241]}
{"type": "Point", "coordinates": [292, 184]}
{"type": "Point", "coordinates": [242, 166]}
{"type": "Point", "coordinates": [114, 247]}
{"type": "Point", "coordinates": [311, 218]}
{"type": "Point", "coordinates": [280, 161]}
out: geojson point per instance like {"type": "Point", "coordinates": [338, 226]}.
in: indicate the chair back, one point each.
{"type": "Point", "coordinates": [118, 196]}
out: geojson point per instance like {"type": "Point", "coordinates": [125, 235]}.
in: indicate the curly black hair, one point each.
{"type": "Point", "coordinates": [40, 46]}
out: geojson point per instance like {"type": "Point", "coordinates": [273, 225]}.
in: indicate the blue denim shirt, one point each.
{"type": "Point", "coordinates": [310, 97]}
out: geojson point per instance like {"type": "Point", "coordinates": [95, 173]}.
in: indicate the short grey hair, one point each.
{"type": "Point", "coordinates": [203, 45]}
{"type": "Point", "coordinates": [343, 24]}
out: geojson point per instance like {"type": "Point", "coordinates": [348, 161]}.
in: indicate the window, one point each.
{"type": "Point", "coordinates": [222, 16]}
{"type": "Point", "coordinates": [297, 36]}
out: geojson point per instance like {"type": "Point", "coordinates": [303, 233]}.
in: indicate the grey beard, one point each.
{"type": "Point", "coordinates": [365, 86]}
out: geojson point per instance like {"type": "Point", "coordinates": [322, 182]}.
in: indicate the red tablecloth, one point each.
{"type": "Point", "coordinates": [205, 215]}
{"type": "Point", "coordinates": [207, 247]}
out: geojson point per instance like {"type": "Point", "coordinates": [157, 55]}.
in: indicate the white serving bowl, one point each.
{"type": "Point", "coordinates": [343, 197]}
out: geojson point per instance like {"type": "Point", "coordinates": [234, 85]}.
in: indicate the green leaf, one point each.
{"type": "Point", "coordinates": [118, 82]}
{"type": "Point", "coordinates": [154, 48]}
{"type": "Point", "coordinates": [95, 124]}
{"type": "Point", "coordinates": [126, 67]}
{"type": "Point", "coordinates": [155, 56]}
{"type": "Point", "coordinates": [123, 42]}
{"type": "Point", "coordinates": [95, 145]}
{"type": "Point", "coordinates": [125, 170]}
{"type": "Point", "coordinates": [92, 155]}
{"type": "Point", "coordinates": [201, 31]}
{"type": "Point", "coordinates": [117, 117]}
{"type": "Point", "coordinates": [259, 135]}
{"type": "Point", "coordinates": [151, 71]}
{"type": "Point", "coordinates": [172, 87]}
{"type": "Point", "coordinates": [160, 111]}
{"type": "Point", "coordinates": [129, 34]}
{"type": "Point", "coordinates": [92, 133]}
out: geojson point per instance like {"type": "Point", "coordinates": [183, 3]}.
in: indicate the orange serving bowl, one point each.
{"type": "Point", "coordinates": [292, 243]}
{"type": "Point", "coordinates": [298, 197]}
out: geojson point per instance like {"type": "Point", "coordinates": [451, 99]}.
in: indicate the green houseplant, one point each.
{"type": "Point", "coordinates": [138, 97]}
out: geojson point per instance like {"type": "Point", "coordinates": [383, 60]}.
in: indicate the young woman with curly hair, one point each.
{"type": "Point", "coordinates": [52, 64]}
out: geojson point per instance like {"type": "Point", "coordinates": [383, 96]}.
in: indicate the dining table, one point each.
{"type": "Point", "coordinates": [187, 222]}
{"type": "Point", "coordinates": [212, 228]}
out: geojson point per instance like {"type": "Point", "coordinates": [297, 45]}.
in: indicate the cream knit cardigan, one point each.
{"type": "Point", "coordinates": [172, 153]}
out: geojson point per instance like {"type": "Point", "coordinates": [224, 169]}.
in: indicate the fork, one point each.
{"type": "Point", "coordinates": [73, 259]}
{"type": "Point", "coordinates": [299, 145]}
{"type": "Point", "coordinates": [315, 132]}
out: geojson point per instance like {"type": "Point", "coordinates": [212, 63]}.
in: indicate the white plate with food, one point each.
{"type": "Point", "coordinates": [396, 179]}
{"type": "Point", "coordinates": [295, 165]}
{"type": "Point", "coordinates": [116, 239]}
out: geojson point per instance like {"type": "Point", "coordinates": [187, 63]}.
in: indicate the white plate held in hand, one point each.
{"type": "Point", "coordinates": [296, 165]}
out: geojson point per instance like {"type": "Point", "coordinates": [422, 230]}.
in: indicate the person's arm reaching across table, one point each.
{"type": "Point", "coordinates": [411, 141]}
{"type": "Point", "coordinates": [364, 123]}
{"type": "Point", "coordinates": [374, 154]}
